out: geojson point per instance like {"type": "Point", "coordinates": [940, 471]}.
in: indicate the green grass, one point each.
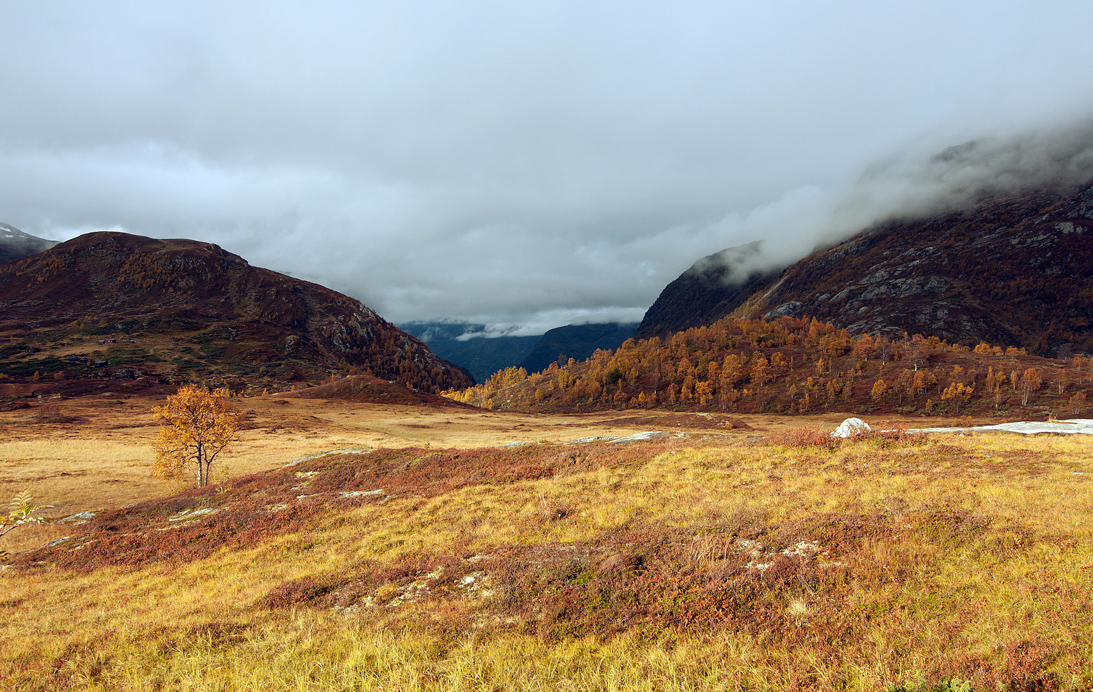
{"type": "Point", "coordinates": [940, 564]}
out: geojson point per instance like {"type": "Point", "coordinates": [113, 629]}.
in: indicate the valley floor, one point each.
{"type": "Point", "coordinates": [725, 554]}
{"type": "Point", "coordinates": [97, 453]}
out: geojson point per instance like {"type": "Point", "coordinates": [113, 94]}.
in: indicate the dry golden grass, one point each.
{"type": "Point", "coordinates": [959, 560]}
{"type": "Point", "coordinates": [100, 456]}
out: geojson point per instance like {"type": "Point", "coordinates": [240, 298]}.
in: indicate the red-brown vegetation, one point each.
{"type": "Point", "coordinates": [248, 510]}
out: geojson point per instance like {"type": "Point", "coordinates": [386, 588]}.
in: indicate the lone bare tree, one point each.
{"type": "Point", "coordinates": [197, 424]}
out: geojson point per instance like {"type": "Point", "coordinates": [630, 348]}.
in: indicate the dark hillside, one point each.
{"type": "Point", "coordinates": [702, 295]}
{"type": "Point", "coordinates": [796, 365]}
{"type": "Point", "coordinates": [114, 305]}
{"type": "Point", "coordinates": [577, 341]}
{"type": "Point", "coordinates": [1014, 270]}
{"type": "Point", "coordinates": [480, 355]}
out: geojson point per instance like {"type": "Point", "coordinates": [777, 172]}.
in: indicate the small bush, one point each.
{"type": "Point", "coordinates": [806, 437]}
{"type": "Point", "coordinates": [306, 591]}
{"type": "Point", "coordinates": [49, 411]}
{"type": "Point", "coordinates": [894, 435]}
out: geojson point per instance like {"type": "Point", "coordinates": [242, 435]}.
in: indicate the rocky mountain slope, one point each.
{"type": "Point", "coordinates": [14, 244]}
{"type": "Point", "coordinates": [1012, 269]}
{"type": "Point", "coordinates": [120, 306]}
{"type": "Point", "coordinates": [705, 293]}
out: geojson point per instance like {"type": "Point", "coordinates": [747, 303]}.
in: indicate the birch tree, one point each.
{"type": "Point", "coordinates": [197, 424]}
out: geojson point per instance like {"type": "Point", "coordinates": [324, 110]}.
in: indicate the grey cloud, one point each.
{"type": "Point", "coordinates": [916, 183]}
{"type": "Point", "coordinates": [502, 163]}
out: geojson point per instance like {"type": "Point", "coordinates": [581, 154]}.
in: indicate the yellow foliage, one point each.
{"type": "Point", "coordinates": [880, 388]}
{"type": "Point", "coordinates": [1030, 382]}
{"type": "Point", "coordinates": [198, 424]}
{"type": "Point", "coordinates": [957, 394]}
{"type": "Point", "coordinates": [21, 510]}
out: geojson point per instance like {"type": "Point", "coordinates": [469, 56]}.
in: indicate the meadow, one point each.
{"type": "Point", "coordinates": [721, 554]}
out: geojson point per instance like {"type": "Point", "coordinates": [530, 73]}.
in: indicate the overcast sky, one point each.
{"type": "Point", "coordinates": [508, 162]}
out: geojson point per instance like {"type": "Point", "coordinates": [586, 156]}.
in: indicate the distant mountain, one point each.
{"type": "Point", "coordinates": [1011, 269]}
{"type": "Point", "coordinates": [114, 305]}
{"type": "Point", "coordinates": [14, 244]}
{"type": "Point", "coordinates": [577, 341]}
{"type": "Point", "coordinates": [481, 356]}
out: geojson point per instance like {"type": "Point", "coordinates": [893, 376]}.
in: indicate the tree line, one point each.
{"type": "Point", "coordinates": [792, 365]}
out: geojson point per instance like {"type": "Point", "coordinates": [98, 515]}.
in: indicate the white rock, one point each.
{"type": "Point", "coordinates": [851, 427]}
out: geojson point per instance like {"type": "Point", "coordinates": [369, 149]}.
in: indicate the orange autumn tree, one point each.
{"type": "Point", "coordinates": [197, 424]}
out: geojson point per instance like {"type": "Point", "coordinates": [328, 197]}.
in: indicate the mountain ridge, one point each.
{"type": "Point", "coordinates": [711, 288]}
{"type": "Point", "coordinates": [483, 356]}
{"type": "Point", "coordinates": [480, 355]}
{"type": "Point", "coordinates": [576, 341]}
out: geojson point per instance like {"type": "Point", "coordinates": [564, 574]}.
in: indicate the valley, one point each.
{"type": "Point", "coordinates": [667, 513]}
{"type": "Point", "coordinates": [546, 347]}
{"type": "Point", "coordinates": [94, 452]}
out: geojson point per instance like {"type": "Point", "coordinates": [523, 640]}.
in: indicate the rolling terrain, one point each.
{"type": "Point", "coordinates": [361, 534]}
{"type": "Point", "coordinates": [670, 515]}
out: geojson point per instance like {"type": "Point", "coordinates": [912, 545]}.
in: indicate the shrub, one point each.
{"type": "Point", "coordinates": [806, 437]}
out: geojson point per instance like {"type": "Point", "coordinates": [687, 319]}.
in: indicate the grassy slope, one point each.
{"type": "Point", "coordinates": [591, 567]}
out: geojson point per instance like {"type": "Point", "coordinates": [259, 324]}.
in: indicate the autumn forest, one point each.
{"type": "Point", "coordinates": [792, 365]}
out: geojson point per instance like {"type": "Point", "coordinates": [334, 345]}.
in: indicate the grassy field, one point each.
{"type": "Point", "coordinates": [710, 557]}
